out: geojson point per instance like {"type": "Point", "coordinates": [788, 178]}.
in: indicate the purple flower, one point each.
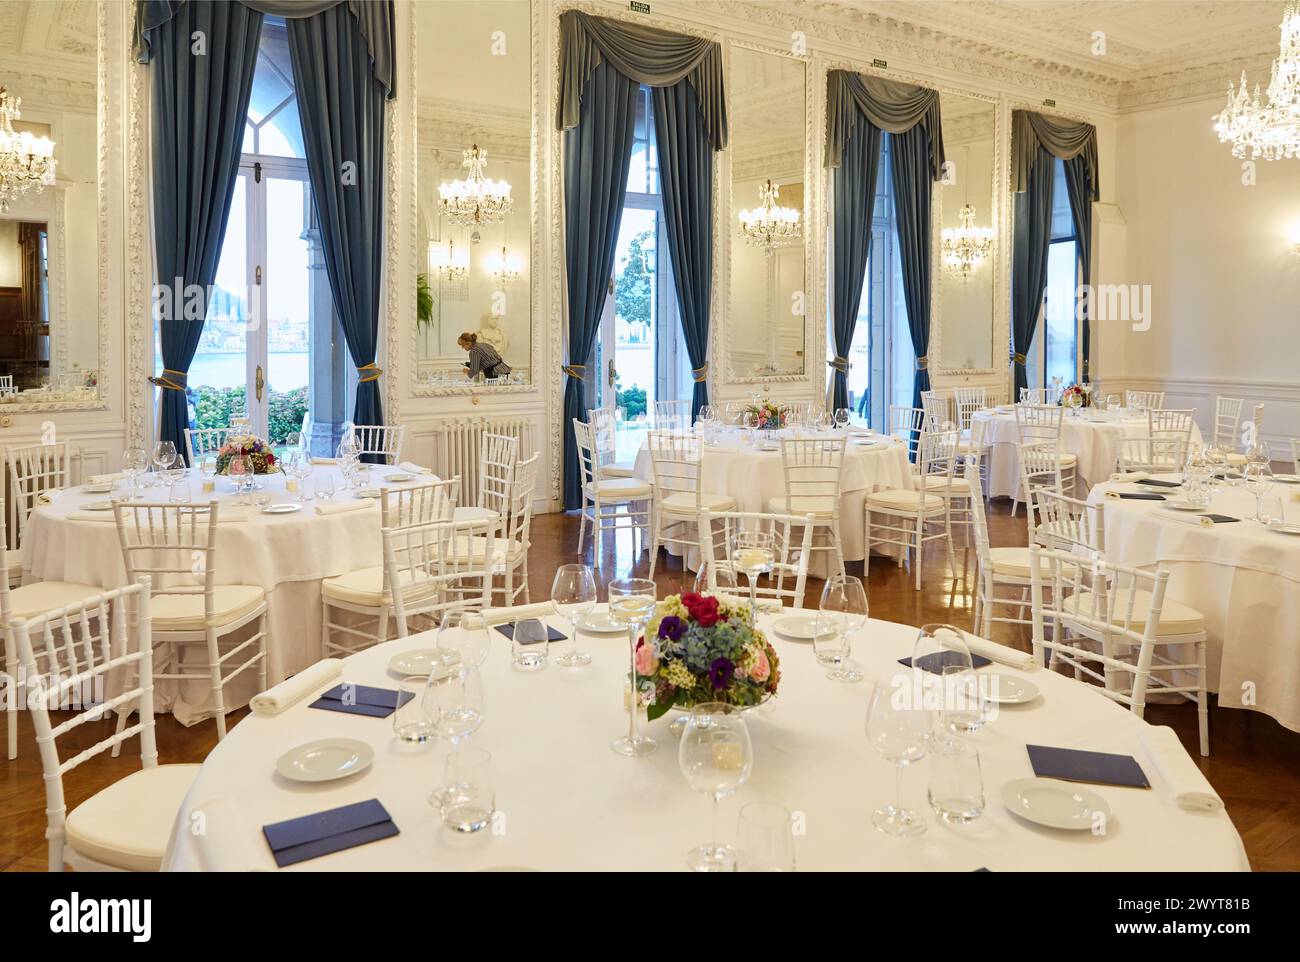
{"type": "Point", "coordinates": [720, 673]}
{"type": "Point", "coordinates": [671, 627]}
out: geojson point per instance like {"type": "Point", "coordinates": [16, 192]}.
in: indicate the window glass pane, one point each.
{"type": "Point", "coordinates": [250, 140]}
{"type": "Point", "coordinates": [1062, 220]}
{"type": "Point", "coordinates": [281, 136]}
{"type": "Point", "coordinates": [1058, 313]}
{"type": "Point", "coordinates": [269, 89]}
{"type": "Point", "coordinates": [288, 306]}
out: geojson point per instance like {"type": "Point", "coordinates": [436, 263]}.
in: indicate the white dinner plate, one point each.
{"type": "Point", "coordinates": [399, 477]}
{"type": "Point", "coordinates": [1284, 527]}
{"type": "Point", "coordinates": [97, 506]}
{"type": "Point", "coordinates": [325, 760]}
{"type": "Point", "coordinates": [285, 508]}
{"type": "Point", "coordinates": [103, 487]}
{"type": "Point", "coordinates": [1054, 803]}
{"type": "Point", "coordinates": [370, 493]}
{"type": "Point", "coordinates": [796, 627]}
{"type": "Point", "coordinates": [422, 661]}
{"type": "Point", "coordinates": [1287, 478]}
{"type": "Point", "coordinates": [1008, 689]}
{"type": "Point", "coordinates": [599, 622]}
{"type": "Point", "coordinates": [1184, 505]}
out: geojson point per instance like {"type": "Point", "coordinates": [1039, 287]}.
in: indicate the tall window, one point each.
{"type": "Point", "coordinates": [1054, 351]}
{"type": "Point", "coordinates": [640, 354]}
{"type": "Point", "coordinates": [882, 361]}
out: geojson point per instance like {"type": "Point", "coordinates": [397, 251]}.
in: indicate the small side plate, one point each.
{"type": "Point", "coordinates": [796, 627]}
{"type": "Point", "coordinates": [370, 493]}
{"type": "Point", "coordinates": [600, 623]}
{"type": "Point", "coordinates": [1287, 478]}
{"type": "Point", "coordinates": [1054, 803]}
{"type": "Point", "coordinates": [1284, 527]}
{"type": "Point", "coordinates": [284, 508]}
{"type": "Point", "coordinates": [1008, 689]}
{"type": "Point", "coordinates": [1184, 505]}
{"type": "Point", "coordinates": [325, 760]}
{"type": "Point", "coordinates": [97, 506]}
{"type": "Point", "coordinates": [103, 487]}
{"type": "Point", "coordinates": [421, 662]}
{"type": "Point", "coordinates": [399, 477]}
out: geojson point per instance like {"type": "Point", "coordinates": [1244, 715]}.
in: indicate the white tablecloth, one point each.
{"type": "Point", "coordinates": [1242, 577]}
{"type": "Point", "coordinates": [1095, 443]}
{"type": "Point", "coordinates": [754, 477]}
{"type": "Point", "coordinates": [288, 555]}
{"type": "Point", "coordinates": [568, 802]}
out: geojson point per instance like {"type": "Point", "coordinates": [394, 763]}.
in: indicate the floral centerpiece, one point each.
{"type": "Point", "coordinates": [767, 415]}
{"type": "Point", "coordinates": [700, 648]}
{"type": "Point", "coordinates": [1074, 396]}
{"type": "Point", "coordinates": [251, 448]}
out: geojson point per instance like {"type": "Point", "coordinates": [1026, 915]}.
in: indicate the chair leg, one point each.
{"type": "Point", "coordinates": [11, 693]}
{"type": "Point", "coordinates": [656, 534]}
{"type": "Point", "coordinates": [582, 528]}
{"type": "Point", "coordinates": [916, 558]}
{"type": "Point", "coordinates": [324, 627]}
{"type": "Point", "coordinates": [381, 632]}
{"type": "Point", "coordinates": [261, 647]}
{"type": "Point", "coordinates": [1202, 706]}
{"type": "Point", "coordinates": [218, 688]}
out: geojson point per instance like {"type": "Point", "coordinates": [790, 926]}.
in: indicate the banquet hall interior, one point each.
{"type": "Point", "coordinates": [572, 435]}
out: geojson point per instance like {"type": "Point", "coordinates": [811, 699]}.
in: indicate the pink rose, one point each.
{"type": "Point", "coordinates": [759, 668]}
{"type": "Point", "coordinates": [646, 662]}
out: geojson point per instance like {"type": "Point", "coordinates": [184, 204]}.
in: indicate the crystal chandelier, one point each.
{"type": "Point", "coordinates": [475, 200]}
{"type": "Point", "coordinates": [1268, 130]}
{"type": "Point", "coordinates": [505, 267]}
{"type": "Point", "coordinates": [25, 161]}
{"type": "Point", "coordinates": [966, 247]}
{"type": "Point", "coordinates": [770, 226]}
{"type": "Point", "coordinates": [446, 261]}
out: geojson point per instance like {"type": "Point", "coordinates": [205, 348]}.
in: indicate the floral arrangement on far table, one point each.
{"type": "Point", "coordinates": [253, 449]}
{"type": "Point", "coordinates": [768, 415]}
{"type": "Point", "coordinates": [1074, 396]}
{"type": "Point", "coordinates": [700, 648]}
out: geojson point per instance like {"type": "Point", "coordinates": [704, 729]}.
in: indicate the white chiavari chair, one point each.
{"type": "Point", "coordinates": [792, 552]}
{"type": "Point", "coordinates": [203, 443]}
{"type": "Point", "coordinates": [937, 409]}
{"type": "Point", "coordinates": [1227, 416]}
{"type": "Point", "coordinates": [605, 425]}
{"type": "Point", "coordinates": [602, 497]}
{"type": "Point", "coordinates": [125, 826]}
{"type": "Point", "coordinates": [1039, 426]}
{"type": "Point", "coordinates": [1171, 422]}
{"type": "Point", "coordinates": [1155, 455]}
{"type": "Point", "coordinates": [814, 481]}
{"type": "Point", "coordinates": [968, 400]}
{"type": "Point", "coordinates": [1068, 524]}
{"type": "Point", "coordinates": [672, 415]}
{"type": "Point", "coordinates": [900, 517]}
{"type": "Point", "coordinates": [35, 471]}
{"type": "Point", "coordinates": [1040, 467]}
{"type": "Point", "coordinates": [497, 465]}
{"type": "Point", "coordinates": [433, 567]}
{"type": "Point", "coordinates": [996, 569]}
{"type": "Point", "coordinates": [27, 601]}
{"type": "Point", "coordinates": [1116, 625]}
{"type": "Point", "coordinates": [1144, 400]}
{"type": "Point", "coordinates": [1033, 395]}
{"type": "Point", "coordinates": [6, 384]}
{"type": "Point", "coordinates": [1256, 432]}
{"type": "Point", "coordinates": [197, 622]}
{"type": "Point", "coordinates": [382, 441]}
{"type": "Point", "coordinates": [936, 478]}
{"type": "Point", "coordinates": [678, 493]}
{"type": "Point", "coordinates": [907, 424]}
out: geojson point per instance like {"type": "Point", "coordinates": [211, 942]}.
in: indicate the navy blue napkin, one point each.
{"type": "Point", "coordinates": [352, 699]}
{"type": "Point", "coordinates": [1140, 496]}
{"type": "Point", "coordinates": [333, 830]}
{"type": "Point", "coordinates": [937, 661]}
{"type": "Point", "coordinates": [1220, 518]}
{"type": "Point", "coordinates": [552, 634]}
{"type": "Point", "coordinates": [1160, 484]}
{"type": "Point", "coordinates": [1072, 765]}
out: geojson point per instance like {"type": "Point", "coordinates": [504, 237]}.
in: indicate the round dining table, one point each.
{"type": "Point", "coordinates": [565, 801]}
{"type": "Point", "coordinates": [1242, 576]}
{"type": "Point", "coordinates": [753, 474]}
{"type": "Point", "coordinates": [288, 555]}
{"type": "Point", "coordinates": [1091, 436]}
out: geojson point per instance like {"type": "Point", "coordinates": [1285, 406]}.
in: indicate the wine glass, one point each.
{"type": "Point", "coordinates": [164, 453]}
{"type": "Point", "coordinates": [716, 756]}
{"type": "Point", "coordinates": [631, 604]}
{"type": "Point", "coordinates": [841, 418]}
{"type": "Point", "coordinates": [573, 592]}
{"type": "Point", "coordinates": [764, 839]}
{"type": "Point", "coordinates": [823, 422]}
{"type": "Point", "coordinates": [135, 461]}
{"type": "Point", "coordinates": [898, 731]}
{"type": "Point", "coordinates": [714, 578]}
{"type": "Point", "coordinates": [842, 612]}
{"type": "Point", "coordinates": [753, 553]}
{"type": "Point", "coordinates": [936, 649]}
{"type": "Point", "coordinates": [238, 469]}
{"type": "Point", "coordinates": [465, 633]}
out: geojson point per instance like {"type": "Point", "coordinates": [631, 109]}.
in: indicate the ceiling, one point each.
{"type": "Point", "coordinates": [54, 38]}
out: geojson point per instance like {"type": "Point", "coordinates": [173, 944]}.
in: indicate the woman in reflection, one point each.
{"type": "Point", "coordinates": [483, 357]}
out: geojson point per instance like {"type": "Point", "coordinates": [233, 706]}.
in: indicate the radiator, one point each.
{"type": "Point", "coordinates": [457, 445]}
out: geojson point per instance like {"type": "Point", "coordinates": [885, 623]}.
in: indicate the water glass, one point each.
{"type": "Point", "coordinates": [164, 453]}
{"type": "Point", "coordinates": [965, 710]}
{"type": "Point", "coordinates": [325, 486]}
{"type": "Point", "coordinates": [529, 645]}
{"type": "Point", "coordinates": [1270, 509]}
{"type": "Point", "coordinates": [453, 698]}
{"type": "Point", "coordinates": [716, 757]}
{"type": "Point", "coordinates": [764, 839]}
{"type": "Point", "coordinates": [467, 634]}
{"type": "Point", "coordinates": [841, 613]}
{"type": "Point", "coordinates": [412, 721]}
{"type": "Point", "coordinates": [208, 471]}
{"type": "Point", "coordinates": [468, 795]}
{"type": "Point", "coordinates": [956, 790]}
{"type": "Point", "coordinates": [135, 461]}
{"type": "Point", "coordinates": [573, 592]}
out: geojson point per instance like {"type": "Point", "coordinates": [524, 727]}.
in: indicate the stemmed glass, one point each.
{"type": "Point", "coordinates": [753, 553]}
{"type": "Point", "coordinates": [631, 604]}
{"type": "Point", "coordinates": [135, 461]}
{"type": "Point", "coordinates": [465, 633]}
{"type": "Point", "coordinates": [841, 419]}
{"type": "Point", "coordinates": [453, 699]}
{"type": "Point", "coordinates": [723, 579]}
{"type": "Point", "coordinates": [238, 469]}
{"type": "Point", "coordinates": [843, 611]}
{"type": "Point", "coordinates": [164, 453]}
{"type": "Point", "coordinates": [900, 732]}
{"type": "Point", "coordinates": [573, 593]}
{"type": "Point", "coordinates": [1257, 477]}
{"type": "Point", "coordinates": [716, 756]}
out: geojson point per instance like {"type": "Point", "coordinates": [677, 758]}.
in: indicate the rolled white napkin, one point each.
{"type": "Point", "coordinates": [339, 507]}
{"type": "Point", "coordinates": [1129, 476]}
{"type": "Point", "coordinates": [1190, 788]}
{"type": "Point", "coordinates": [90, 516]}
{"type": "Point", "coordinates": [324, 460]}
{"type": "Point", "coordinates": [1000, 654]}
{"type": "Point", "coordinates": [289, 692]}
{"type": "Point", "coordinates": [504, 616]}
{"type": "Point", "coordinates": [48, 496]}
{"type": "Point", "coordinates": [105, 478]}
{"type": "Point", "coordinates": [410, 467]}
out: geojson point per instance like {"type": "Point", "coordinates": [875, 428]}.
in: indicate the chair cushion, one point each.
{"type": "Point", "coordinates": [1175, 618]}
{"type": "Point", "coordinates": [683, 502]}
{"type": "Point", "coordinates": [15, 569]}
{"type": "Point", "coordinates": [617, 469]}
{"type": "Point", "coordinates": [127, 824]}
{"type": "Point", "coordinates": [898, 499]}
{"type": "Point", "coordinates": [619, 489]}
{"type": "Point", "coordinates": [470, 513]}
{"type": "Point", "coordinates": [941, 485]}
{"type": "Point", "coordinates": [365, 586]}
{"type": "Point", "coordinates": [1014, 563]}
{"type": "Point", "coordinates": [473, 548]}
{"type": "Point", "coordinates": [185, 612]}
{"type": "Point", "coordinates": [42, 596]}
{"type": "Point", "coordinates": [817, 507]}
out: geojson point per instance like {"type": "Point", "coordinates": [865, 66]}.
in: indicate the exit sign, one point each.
{"type": "Point", "coordinates": [1049, 103]}
{"type": "Point", "coordinates": [880, 64]}
{"type": "Point", "coordinates": [639, 7]}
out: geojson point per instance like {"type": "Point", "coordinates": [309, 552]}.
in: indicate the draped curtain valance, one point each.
{"type": "Point", "coordinates": [649, 56]}
{"type": "Point", "coordinates": [374, 20]}
{"type": "Point", "coordinates": [1065, 139]}
{"type": "Point", "coordinates": [889, 105]}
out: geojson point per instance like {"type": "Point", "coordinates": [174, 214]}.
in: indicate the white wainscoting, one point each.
{"type": "Point", "coordinates": [1281, 400]}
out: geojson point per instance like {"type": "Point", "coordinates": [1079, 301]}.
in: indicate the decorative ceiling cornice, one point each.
{"type": "Point", "coordinates": [41, 90]}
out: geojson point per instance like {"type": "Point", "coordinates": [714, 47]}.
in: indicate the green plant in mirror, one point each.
{"type": "Point", "coordinates": [423, 301]}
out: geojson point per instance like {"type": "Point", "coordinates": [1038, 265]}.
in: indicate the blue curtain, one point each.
{"type": "Point", "coordinates": [686, 179]}
{"type": "Point", "coordinates": [1079, 184]}
{"type": "Point", "coordinates": [912, 172]}
{"type": "Point", "coordinates": [1031, 242]}
{"type": "Point", "coordinates": [341, 104]}
{"type": "Point", "coordinates": [199, 105]}
{"type": "Point", "coordinates": [597, 157]}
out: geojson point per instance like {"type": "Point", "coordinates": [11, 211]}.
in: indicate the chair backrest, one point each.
{"type": "Point", "coordinates": [1033, 395]}
{"type": "Point", "coordinates": [939, 454]}
{"type": "Point", "coordinates": [1227, 415]}
{"type": "Point", "coordinates": [1170, 421]}
{"type": "Point", "coordinates": [938, 410]}
{"type": "Point", "coordinates": [907, 424]}
{"type": "Point", "coordinates": [1040, 466]}
{"type": "Point", "coordinates": [33, 470]}
{"type": "Point", "coordinates": [377, 440]}
{"type": "Point", "coordinates": [519, 527]}
{"type": "Point", "coordinates": [433, 501]}
{"type": "Point", "coordinates": [1144, 400]}
{"type": "Point", "coordinates": [672, 415]}
{"type": "Point", "coordinates": [202, 443]}
{"type": "Point", "coordinates": [605, 433]}
{"type": "Point", "coordinates": [434, 566]}
{"type": "Point", "coordinates": [676, 458]}
{"type": "Point", "coordinates": [174, 545]}
{"type": "Point", "coordinates": [979, 518]}
{"type": "Point", "coordinates": [968, 400]}
{"type": "Point", "coordinates": [1162, 453]}
{"type": "Point", "coordinates": [1068, 524]}
{"type": "Point", "coordinates": [81, 646]}
{"type": "Point", "coordinates": [814, 474]}
{"type": "Point", "coordinates": [789, 574]}
{"type": "Point", "coordinates": [974, 450]}
{"type": "Point", "coordinates": [1038, 423]}
{"type": "Point", "coordinates": [589, 459]}
{"type": "Point", "coordinates": [498, 459]}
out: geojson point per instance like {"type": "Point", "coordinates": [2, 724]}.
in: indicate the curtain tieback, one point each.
{"type": "Point", "coordinates": [171, 380]}
{"type": "Point", "coordinates": [922, 362]}
{"type": "Point", "coordinates": [575, 371]}
{"type": "Point", "coordinates": [1021, 359]}
{"type": "Point", "coordinates": [700, 373]}
{"type": "Point", "coordinates": [369, 372]}
{"type": "Point", "coordinates": [841, 364]}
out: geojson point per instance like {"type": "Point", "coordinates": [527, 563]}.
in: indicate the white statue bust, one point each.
{"type": "Point", "coordinates": [490, 330]}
